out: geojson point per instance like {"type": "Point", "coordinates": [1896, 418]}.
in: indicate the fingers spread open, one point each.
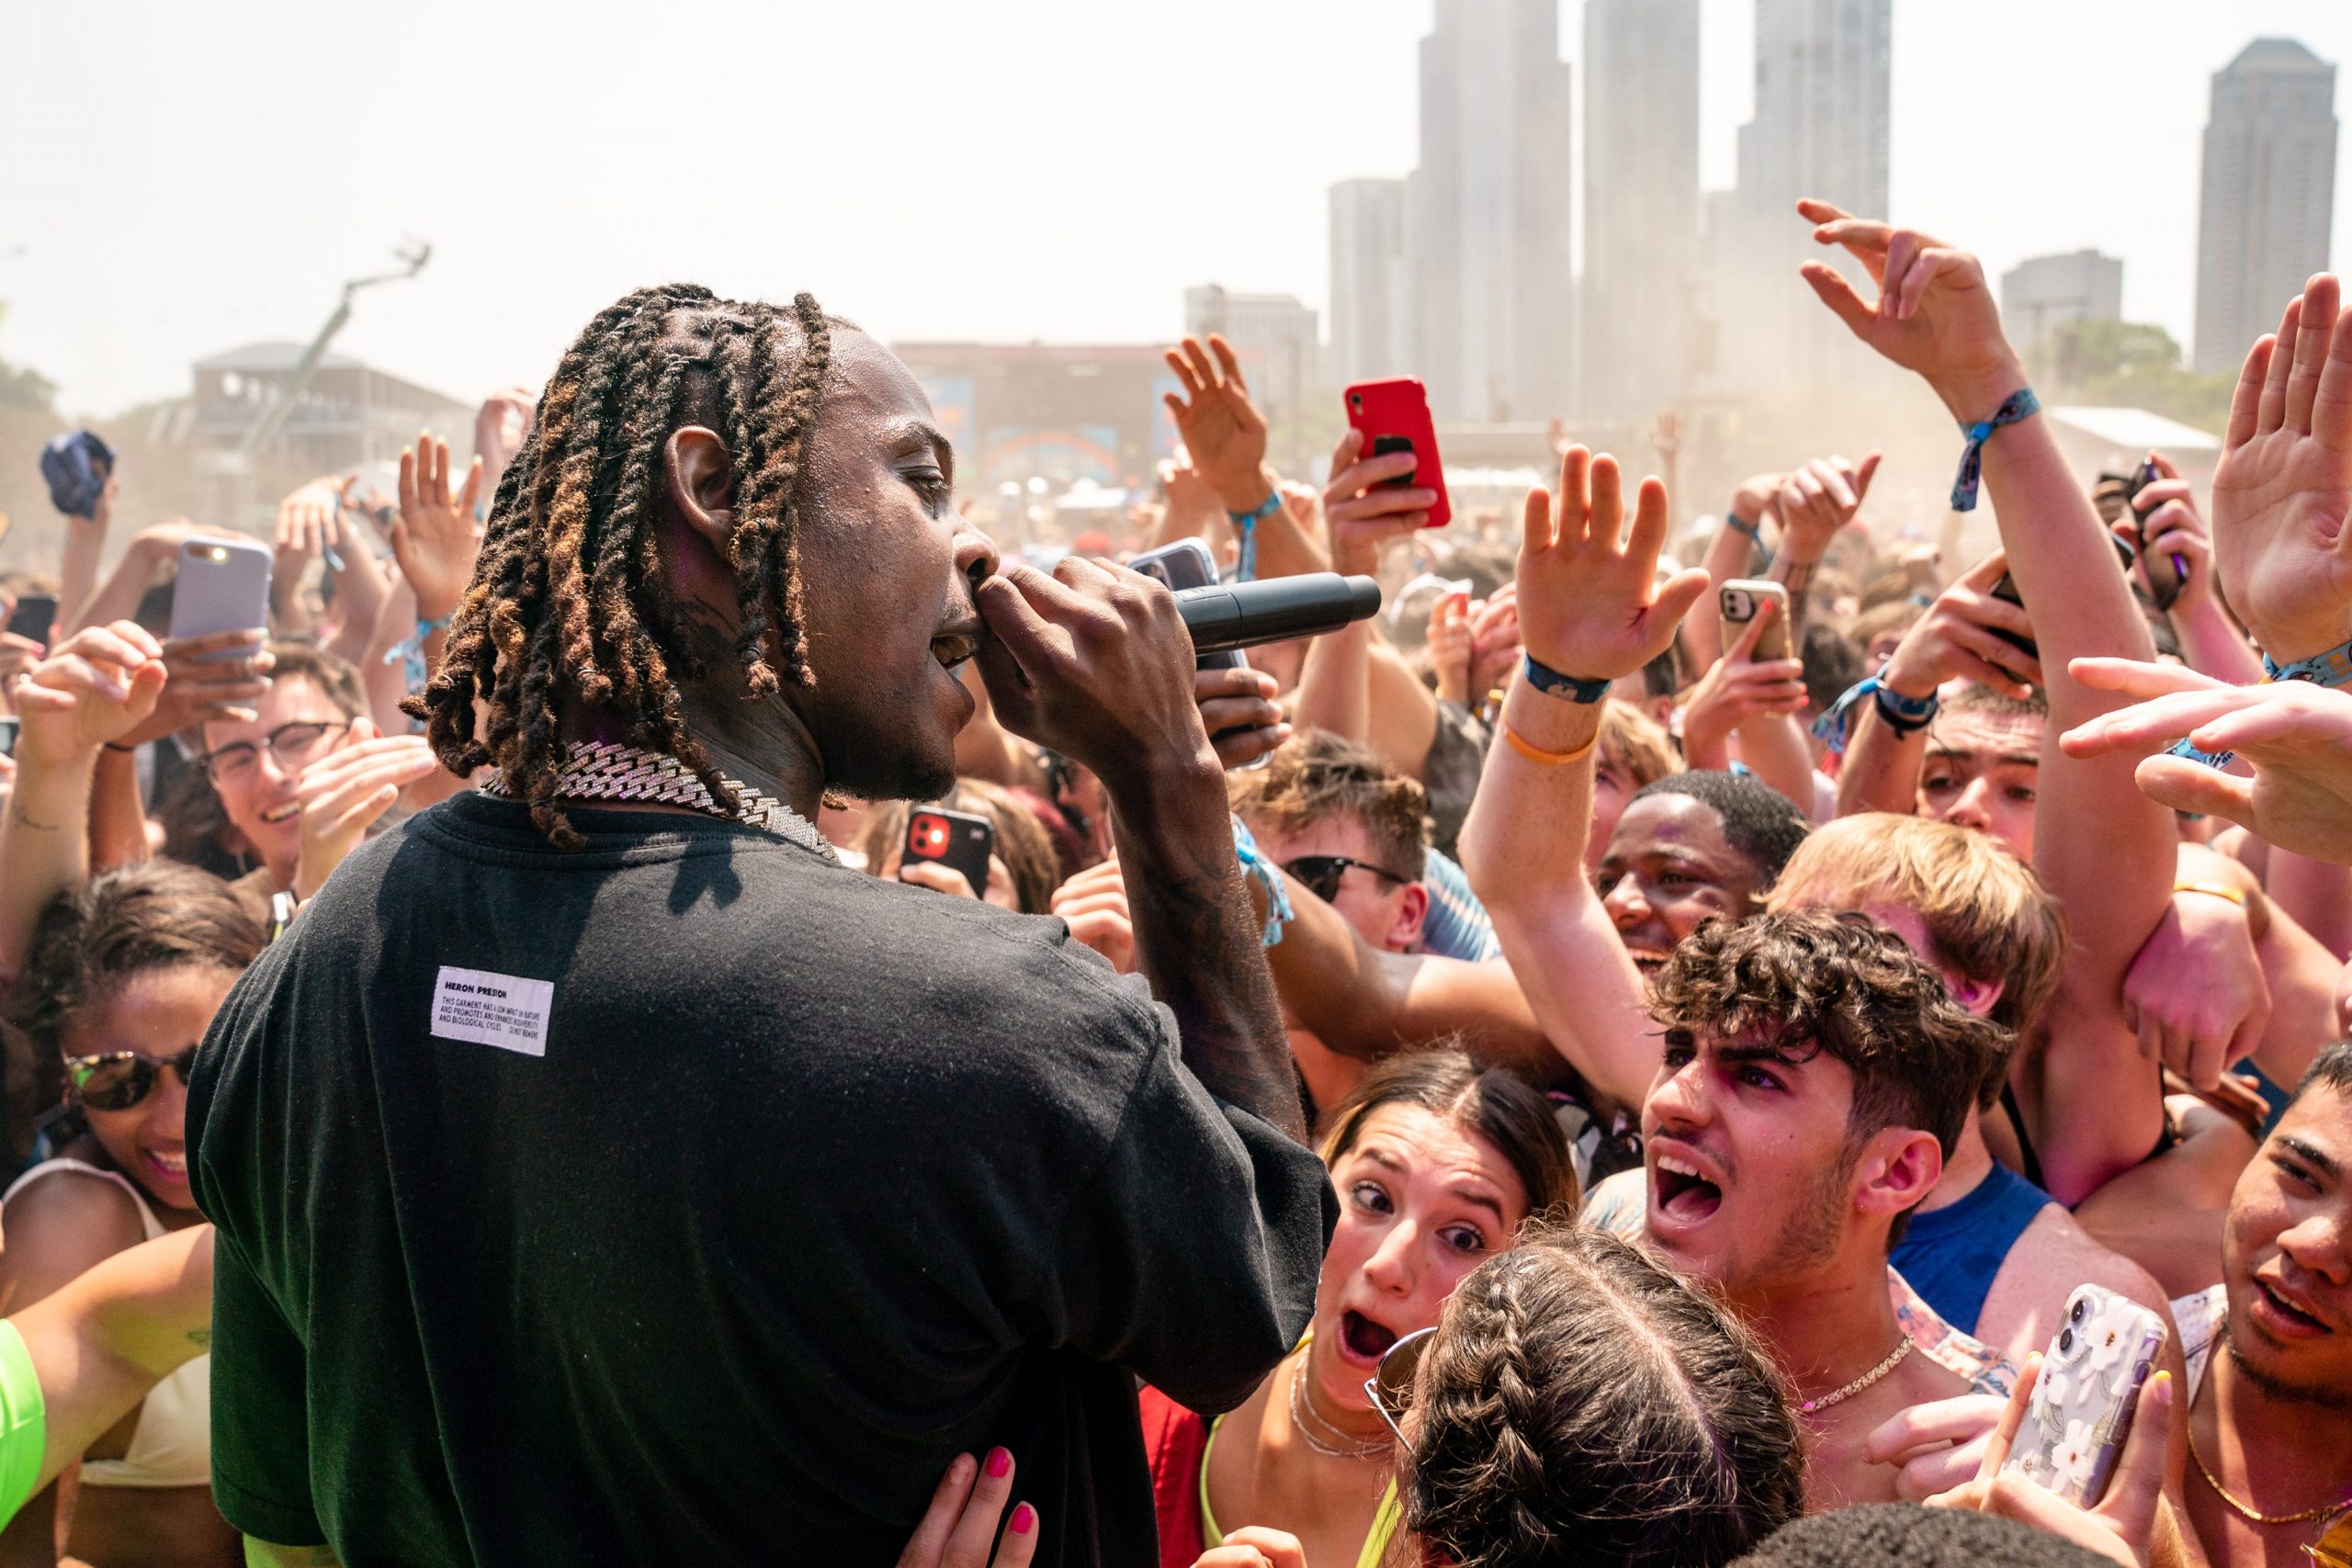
{"type": "Point", "coordinates": [1839, 294]}
{"type": "Point", "coordinates": [2246, 402]}
{"type": "Point", "coordinates": [2273, 415]}
{"type": "Point", "coordinates": [2313, 337]}
{"type": "Point", "coordinates": [2332, 408]}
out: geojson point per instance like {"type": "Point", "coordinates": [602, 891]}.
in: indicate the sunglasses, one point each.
{"type": "Point", "coordinates": [119, 1080]}
{"type": "Point", "coordinates": [1390, 1387]}
{"type": "Point", "coordinates": [1319, 874]}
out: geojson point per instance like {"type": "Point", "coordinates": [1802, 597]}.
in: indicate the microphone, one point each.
{"type": "Point", "coordinates": [1274, 609]}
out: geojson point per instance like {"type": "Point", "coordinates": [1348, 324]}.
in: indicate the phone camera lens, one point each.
{"type": "Point", "coordinates": [1355, 403]}
{"type": "Point", "coordinates": [2075, 1314]}
{"type": "Point", "coordinates": [2066, 1340]}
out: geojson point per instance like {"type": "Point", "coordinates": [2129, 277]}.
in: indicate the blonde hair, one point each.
{"type": "Point", "coordinates": [1636, 742]}
{"type": "Point", "coordinates": [1986, 911]}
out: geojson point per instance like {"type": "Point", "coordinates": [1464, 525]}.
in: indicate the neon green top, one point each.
{"type": "Point", "coordinates": [1384, 1519]}
{"type": "Point", "coordinates": [24, 1422]}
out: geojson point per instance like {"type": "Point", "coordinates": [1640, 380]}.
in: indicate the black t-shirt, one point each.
{"type": "Point", "coordinates": [691, 1198]}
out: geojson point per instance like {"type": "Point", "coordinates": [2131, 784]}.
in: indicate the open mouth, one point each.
{"type": "Point", "coordinates": [1646, 960]}
{"type": "Point", "coordinates": [2294, 1316]}
{"type": "Point", "coordinates": [171, 1166]}
{"type": "Point", "coordinates": [1682, 1193]}
{"type": "Point", "coordinates": [281, 813]}
{"type": "Point", "coordinates": [1363, 1339]}
{"type": "Point", "coordinates": [951, 648]}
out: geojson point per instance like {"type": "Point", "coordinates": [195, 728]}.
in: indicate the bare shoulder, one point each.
{"type": "Point", "coordinates": [2053, 1257]}
{"type": "Point", "coordinates": [56, 1228]}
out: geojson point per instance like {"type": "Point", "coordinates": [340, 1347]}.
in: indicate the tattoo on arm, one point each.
{"type": "Point", "coordinates": [1797, 578]}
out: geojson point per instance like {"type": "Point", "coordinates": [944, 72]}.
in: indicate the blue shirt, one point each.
{"type": "Point", "coordinates": [1950, 1255]}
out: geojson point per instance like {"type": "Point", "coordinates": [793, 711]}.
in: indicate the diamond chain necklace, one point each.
{"type": "Point", "coordinates": [599, 770]}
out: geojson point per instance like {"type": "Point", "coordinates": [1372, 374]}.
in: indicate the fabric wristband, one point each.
{"type": "Point", "coordinates": [1255, 864]}
{"type": "Point", "coordinates": [1245, 528]}
{"type": "Point", "coordinates": [410, 650]}
{"type": "Point", "coordinates": [2019, 404]}
{"type": "Point", "coordinates": [2332, 669]}
{"type": "Point", "coordinates": [24, 1422]}
{"type": "Point", "coordinates": [1551, 683]}
{"type": "Point", "coordinates": [1738, 524]}
{"type": "Point", "coordinates": [1904, 715]}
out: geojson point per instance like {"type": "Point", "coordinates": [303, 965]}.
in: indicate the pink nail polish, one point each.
{"type": "Point", "coordinates": [1025, 1519]}
{"type": "Point", "coordinates": [1000, 1461]}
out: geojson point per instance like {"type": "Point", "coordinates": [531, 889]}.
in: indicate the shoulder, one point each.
{"type": "Point", "coordinates": [59, 1223]}
{"type": "Point", "coordinates": [2063, 1255]}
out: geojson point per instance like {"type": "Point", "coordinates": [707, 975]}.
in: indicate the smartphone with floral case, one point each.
{"type": "Point", "coordinates": [2081, 1410]}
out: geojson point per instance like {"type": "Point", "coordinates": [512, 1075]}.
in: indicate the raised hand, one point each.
{"type": "Point", "coordinates": [98, 687]}
{"type": "Point", "coordinates": [1495, 648]}
{"type": "Point", "coordinates": [1450, 644]}
{"type": "Point", "coordinates": [17, 657]}
{"type": "Point", "coordinates": [1095, 905]}
{"type": "Point", "coordinates": [310, 520]}
{"type": "Point", "coordinates": [342, 794]}
{"type": "Point", "coordinates": [1362, 512]}
{"type": "Point", "coordinates": [1590, 607]}
{"type": "Point", "coordinates": [212, 677]}
{"type": "Point", "coordinates": [1934, 313]}
{"type": "Point", "coordinates": [1222, 428]}
{"type": "Point", "coordinates": [435, 537]}
{"type": "Point", "coordinates": [1818, 499]}
{"type": "Point", "coordinates": [1955, 640]}
{"type": "Point", "coordinates": [2297, 736]}
{"type": "Point", "coordinates": [514, 407]}
{"type": "Point", "coordinates": [1738, 687]}
{"type": "Point", "coordinates": [2282, 493]}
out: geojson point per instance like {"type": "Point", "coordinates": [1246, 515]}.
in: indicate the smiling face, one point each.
{"type": "Point", "coordinates": [888, 567]}
{"type": "Point", "coordinates": [256, 781]}
{"type": "Point", "coordinates": [158, 1014]}
{"type": "Point", "coordinates": [2287, 1254]}
{"type": "Point", "coordinates": [1748, 1161]}
{"type": "Point", "coordinates": [1669, 868]}
{"type": "Point", "coordinates": [1981, 771]}
{"type": "Point", "coordinates": [1423, 1203]}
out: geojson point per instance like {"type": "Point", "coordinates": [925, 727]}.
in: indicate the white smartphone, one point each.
{"type": "Point", "coordinates": [1188, 564]}
{"type": "Point", "coordinates": [223, 587]}
{"type": "Point", "coordinates": [2081, 1410]}
{"type": "Point", "coordinates": [1741, 600]}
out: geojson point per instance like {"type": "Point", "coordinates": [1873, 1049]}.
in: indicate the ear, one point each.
{"type": "Point", "coordinates": [1979, 997]}
{"type": "Point", "coordinates": [698, 479]}
{"type": "Point", "coordinates": [1899, 1169]}
{"type": "Point", "coordinates": [1412, 913]}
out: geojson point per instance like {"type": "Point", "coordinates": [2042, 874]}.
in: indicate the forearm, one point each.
{"type": "Point", "coordinates": [118, 819]}
{"type": "Point", "coordinates": [360, 588]}
{"type": "Point", "coordinates": [1881, 772]}
{"type": "Point", "coordinates": [1335, 683]}
{"type": "Point", "coordinates": [1197, 943]}
{"type": "Point", "coordinates": [1729, 554]}
{"type": "Point", "coordinates": [1773, 746]}
{"type": "Point", "coordinates": [1795, 574]}
{"type": "Point", "coordinates": [77, 577]}
{"type": "Point", "coordinates": [44, 848]}
{"type": "Point", "coordinates": [2213, 644]}
{"type": "Point", "coordinates": [118, 598]}
{"type": "Point", "coordinates": [1402, 718]}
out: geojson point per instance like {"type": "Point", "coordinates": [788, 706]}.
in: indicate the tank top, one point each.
{"type": "Point", "coordinates": [1950, 1254]}
{"type": "Point", "coordinates": [172, 1443]}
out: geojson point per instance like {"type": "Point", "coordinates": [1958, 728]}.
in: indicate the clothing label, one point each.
{"type": "Point", "coordinates": [505, 1010]}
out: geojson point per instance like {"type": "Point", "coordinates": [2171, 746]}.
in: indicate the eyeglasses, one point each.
{"type": "Point", "coordinates": [292, 744]}
{"type": "Point", "coordinates": [121, 1080]}
{"type": "Point", "coordinates": [1320, 874]}
{"type": "Point", "coordinates": [1390, 1387]}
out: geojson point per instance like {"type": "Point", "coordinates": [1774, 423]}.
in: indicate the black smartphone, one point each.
{"type": "Point", "coordinates": [957, 840]}
{"type": "Point", "coordinates": [2167, 573]}
{"type": "Point", "coordinates": [35, 617]}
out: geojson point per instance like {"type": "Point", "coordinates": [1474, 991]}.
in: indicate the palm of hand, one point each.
{"type": "Point", "coordinates": [1223, 433]}
{"type": "Point", "coordinates": [435, 546]}
{"type": "Point", "coordinates": [1585, 611]}
{"type": "Point", "coordinates": [2280, 516]}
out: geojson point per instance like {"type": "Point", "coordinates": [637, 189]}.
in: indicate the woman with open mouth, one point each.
{"type": "Point", "coordinates": [1439, 1164]}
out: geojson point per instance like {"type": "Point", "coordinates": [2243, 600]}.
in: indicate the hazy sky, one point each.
{"type": "Point", "coordinates": [184, 179]}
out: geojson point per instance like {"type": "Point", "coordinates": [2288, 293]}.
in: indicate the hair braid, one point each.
{"type": "Point", "coordinates": [569, 600]}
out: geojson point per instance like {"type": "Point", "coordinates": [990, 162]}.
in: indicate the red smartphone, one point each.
{"type": "Point", "coordinates": [1394, 416]}
{"type": "Point", "coordinates": [958, 840]}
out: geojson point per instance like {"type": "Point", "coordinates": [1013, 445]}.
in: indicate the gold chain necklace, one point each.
{"type": "Point", "coordinates": [1838, 1396]}
{"type": "Point", "coordinates": [2247, 1511]}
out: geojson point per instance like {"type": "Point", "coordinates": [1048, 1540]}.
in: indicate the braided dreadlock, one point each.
{"type": "Point", "coordinates": [568, 600]}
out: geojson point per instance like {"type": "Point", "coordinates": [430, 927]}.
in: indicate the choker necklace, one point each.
{"type": "Point", "coordinates": [1338, 1444]}
{"type": "Point", "coordinates": [2247, 1511]}
{"type": "Point", "coordinates": [599, 770]}
{"type": "Point", "coordinates": [1838, 1396]}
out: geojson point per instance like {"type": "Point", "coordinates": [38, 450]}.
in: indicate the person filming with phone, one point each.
{"type": "Point", "coordinates": [793, 1184]}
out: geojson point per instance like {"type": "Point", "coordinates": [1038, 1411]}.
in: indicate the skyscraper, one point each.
{"type": "Point", "coordinates": [2268, 197]}
{"type": "Point", "coordinates": [1274, 335]}
{"type": "Point", "coordinates": [1641, 204]}
{"type": "Point", "coordinates": [1370, 297]}
{"type": "Point", "coordinates": [2042, 294]}
{"type": "Point", "coordinates": [1820, 129]}
{"type": "Point", "coordinates": [1486, 213]}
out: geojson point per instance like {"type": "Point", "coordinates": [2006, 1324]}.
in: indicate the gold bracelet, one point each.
{"type": "Point", "coordinates": [1527, 749]}
{"type": "Point", "coordinates": [2218, 889]}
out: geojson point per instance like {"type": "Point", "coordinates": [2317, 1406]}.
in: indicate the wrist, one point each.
{"type": "Point", "coordinates": [1912, 686]}
{"type": "Point", "coordinates": [1976, 392]}
{"type": "Point", "coordinates": [1548, 724]}
{"type": "Point", "coordinates": [1245, 490]}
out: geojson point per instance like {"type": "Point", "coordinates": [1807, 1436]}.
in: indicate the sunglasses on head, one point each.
{"type": "Point", "coordinates": [119, 1080]}
{"type": "Point", "coordinates": [1390, 1387]}
{"type": "Point", "coordinates": [1320, 874]}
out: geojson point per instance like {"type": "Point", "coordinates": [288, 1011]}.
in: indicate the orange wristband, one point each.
{"type": "Point", "coordinates": [2218, 889]}
{"type": "Point", "coordinates": [1520, 744]}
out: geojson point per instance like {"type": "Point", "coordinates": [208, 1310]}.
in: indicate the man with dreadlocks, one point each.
{"type": "Point", "coordinates": [603, 1175]}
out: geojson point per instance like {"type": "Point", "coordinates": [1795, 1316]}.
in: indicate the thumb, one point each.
{"type": "Point", "coordinates": [2131, 1501]}
{"type": "Point", "coordinates": [2192, 787]}
{"type": "Point", "coordinates": [1989, 572]}
{"type": "Point", "coordinates": [1862, 477]}
{"type": "Point", "coordinates": [1837, 293]}
{"type": "Point", "coordinates": [1673, 601]}
{"type": "Point", "coordinates": [1744, 650]}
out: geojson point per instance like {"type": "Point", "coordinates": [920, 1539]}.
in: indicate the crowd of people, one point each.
{"type": "Point", "coordinates": [1551, 1074]}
